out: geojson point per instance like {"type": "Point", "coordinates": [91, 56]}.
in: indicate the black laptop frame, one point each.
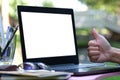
{"type": "Point", "coordinates": [54, 60]}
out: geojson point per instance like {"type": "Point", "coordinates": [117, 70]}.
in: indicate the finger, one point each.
{"type": "Point", "coordinates": [92, 43]}
{"type": "Point", "coordinates": [93, 48]}
{"type": "Point", "coordinates": [95, 34]}
{"type": "Point", "coordinates": [93, 53]}
{"type": "Point", "coordinates": [94, 58]}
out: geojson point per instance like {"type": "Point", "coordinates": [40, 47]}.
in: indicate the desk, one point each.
{"type": "Point", "coordinates": [95, 77]}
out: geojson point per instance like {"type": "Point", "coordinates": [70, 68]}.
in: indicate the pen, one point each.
{"type": "Point", "coordinates": [8, 33]}
{"type": "Point", "coordinates": [8, 42]}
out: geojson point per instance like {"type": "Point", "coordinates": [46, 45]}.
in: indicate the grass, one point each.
{"type": "Point", "coordinates": [112, 78]}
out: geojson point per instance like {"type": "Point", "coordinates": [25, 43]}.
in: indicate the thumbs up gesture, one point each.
{"type": "Point", "coordinates": [99, 48]}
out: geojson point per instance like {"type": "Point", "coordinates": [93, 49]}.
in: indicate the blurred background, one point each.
{"type": "Point", "coordinates": [104, 15]}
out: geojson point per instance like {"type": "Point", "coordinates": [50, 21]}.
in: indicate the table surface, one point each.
{"type": "Point", "coordinates": [94, 77]}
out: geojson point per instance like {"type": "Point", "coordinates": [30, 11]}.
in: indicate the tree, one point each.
{"type": "Point", "coordinates": [13, 10]}
{"type": "Point", "coordinates": [112, 6]}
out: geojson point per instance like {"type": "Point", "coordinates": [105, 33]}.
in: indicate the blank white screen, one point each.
{"type": "Point", "coordinates": [48, 35]}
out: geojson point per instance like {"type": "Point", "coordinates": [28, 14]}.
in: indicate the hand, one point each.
{"type": "Point", "coordinates": [99, 48]}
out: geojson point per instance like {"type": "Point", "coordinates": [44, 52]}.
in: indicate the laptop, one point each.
{"type": "Point", "coordinates": [48, 36]}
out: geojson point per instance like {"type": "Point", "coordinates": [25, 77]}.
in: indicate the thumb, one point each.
{"type": "Point", "coordinates": [95, 34]}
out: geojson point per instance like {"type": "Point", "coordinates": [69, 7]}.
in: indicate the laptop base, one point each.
{"type": "Point", "coordinates": [86, 69]}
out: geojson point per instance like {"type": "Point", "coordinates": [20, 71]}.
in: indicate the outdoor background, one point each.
{"type": "Point", "coordinates": [104, 15]}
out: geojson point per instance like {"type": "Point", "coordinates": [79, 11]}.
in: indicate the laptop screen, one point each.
{"type": "Point", "coordinates": [46, 34]}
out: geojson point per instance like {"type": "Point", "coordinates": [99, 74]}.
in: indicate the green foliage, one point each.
{"type": "Point", "coordinates": [13, 7]}
{"type": "Point", "coordinates": [82, 35]}
{"type": "Point", "coordinates": [115, 44]}
{"type": "Point", "coordinates": [112, 78]}
{"type": "Point", "coordinates": [47, 3]}
{"type": "Point", "coordinates": [0, 4]}
{"type": "Point", "coordinates": [108, 5]}
{"type": "Point", "coordinates": [83, 31]}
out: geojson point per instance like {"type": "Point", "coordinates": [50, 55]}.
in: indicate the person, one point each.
{"type": "Point", "coordinates": [100, 50]}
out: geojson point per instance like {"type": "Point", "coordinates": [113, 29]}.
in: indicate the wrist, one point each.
{"type": "Point", "coordinates": [114, 55]}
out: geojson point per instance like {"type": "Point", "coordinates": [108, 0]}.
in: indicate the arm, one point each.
{"type": "Point", "coordinates": [115, 55]}
{"type": "Point", "coordinates": [100, 50]}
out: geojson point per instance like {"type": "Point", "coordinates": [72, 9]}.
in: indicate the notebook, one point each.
{"type": "Point", "coordinates": [48, 36]}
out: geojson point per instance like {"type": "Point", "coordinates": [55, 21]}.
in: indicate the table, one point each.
{"type": "Point", "coordinates": [94, 77]}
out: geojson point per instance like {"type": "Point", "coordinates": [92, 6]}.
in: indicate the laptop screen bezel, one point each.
{"type": "Point", "coordinates": [54, 60]}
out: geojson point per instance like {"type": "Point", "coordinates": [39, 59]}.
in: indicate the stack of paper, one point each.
{"type": "Point", "coordinates": [34, 74]}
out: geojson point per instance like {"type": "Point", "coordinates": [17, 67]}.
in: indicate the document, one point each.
{"type": "Point", "coordinates": [37, 74]}
{"type": "Point", "coordinates": [2, 39]}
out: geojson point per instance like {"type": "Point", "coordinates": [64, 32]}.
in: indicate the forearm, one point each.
{"type": "Point", "coordinates": [115, 55]}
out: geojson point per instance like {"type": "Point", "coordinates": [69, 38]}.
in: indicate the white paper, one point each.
{"type": "Point", "coordinates": [1, 33]}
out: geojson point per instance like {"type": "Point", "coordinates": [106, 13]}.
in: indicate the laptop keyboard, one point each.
{"type": "Point", "coordinates": [73, 66]}
{"type": "Point", "coordinates": [64, 67]}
